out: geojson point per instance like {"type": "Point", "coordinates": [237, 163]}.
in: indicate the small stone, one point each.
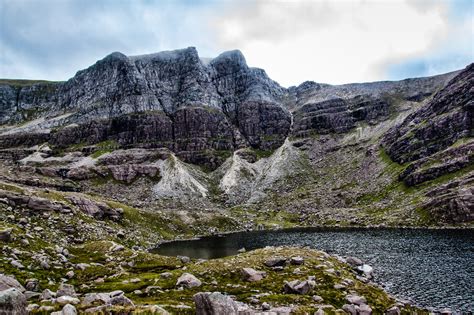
{"type": "Point", "coordinates": [70, 274]}
{"type": "Point", "coordinates": [242, 250]}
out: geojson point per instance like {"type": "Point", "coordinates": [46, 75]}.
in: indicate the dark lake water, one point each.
{"type": "Point", "coordinates": [430, 267]}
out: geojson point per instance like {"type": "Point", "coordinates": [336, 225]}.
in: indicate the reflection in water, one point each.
{"type": "Point", "coordinates": [432, 267]}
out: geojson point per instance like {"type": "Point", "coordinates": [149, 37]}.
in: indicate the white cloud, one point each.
{"type": "Point", "coordinates": [333, 41]}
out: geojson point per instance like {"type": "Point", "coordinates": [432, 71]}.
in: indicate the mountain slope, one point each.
{"type": "Point", "coordinates": [172, 132]}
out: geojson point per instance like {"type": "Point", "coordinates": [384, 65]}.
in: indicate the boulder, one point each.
{"type": "Point", "coordinates": [6, 235]}
{"type": "Point", "coordinates": [68, 309]}
{"type": "Point", "coordinates": [215, 303]}
{"type": "Point", "coordinates": [298, 286]}
{"type": "Point", "coordinates": [276, 262]}
{"type": "Point", "coordinates": [356, 299]}
{"type": "Point", "coordinates": [32, 285]}
{"type": "Point", "coordinates": [187, 280]}
{"type": "Point", "coordinates": [350, 309]}
{"type": "Point", "coordinates": [66, 289]}
{"type": "Point", "coordinates": [12, 301]}
{"type": "Point", "coordinates": [354, 261]}
{"type": "Point", "coordinates": [297, 260]}
{"type": "Point", "coordinates": [252, 275]}
{"type": "Point", "coordinates": [394, 310]}
{"type": "Point", "coordinates": [47, 294]}
{"type": "Point", "coordinates": [8, 282]}
{"type": "Point", "coordinates": [66, 299]}
{"type": "Point", "coordinates": [121, 300]}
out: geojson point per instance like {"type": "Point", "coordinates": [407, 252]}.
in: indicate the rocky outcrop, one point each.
{"type": "Point", "coordinates": [437, 125]}
{"type": "Point", "coordinates": [338, 115]}
{"type": "Point", "coordinates": [448, 161]}
{"type": "Point", "coordinates": [452, 202]}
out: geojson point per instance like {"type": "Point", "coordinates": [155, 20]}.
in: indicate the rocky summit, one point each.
{"type": "Point", "coordinates": [137, 150]}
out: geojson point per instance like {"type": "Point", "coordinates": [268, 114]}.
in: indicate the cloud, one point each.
{"type": "Point", "coordinates": [332, 41]}
{"type": "Point", "coordinates": [293, 40]}
{"type": "Point", "coordinates": [55, 38]}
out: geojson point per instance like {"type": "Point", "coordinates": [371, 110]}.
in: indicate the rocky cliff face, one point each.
{"type": "Point", "coordinates": [227, 133]}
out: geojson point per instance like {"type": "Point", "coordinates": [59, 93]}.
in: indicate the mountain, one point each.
{"type": "Point", "coordinates": [179, 133]}
{"type": "Point", "coordinates": [137, 150]}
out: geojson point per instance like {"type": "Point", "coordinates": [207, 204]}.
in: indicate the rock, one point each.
{"type": "Point", "coordinates": [265, 306]}
{"type": "Point", "coordinates": [365, 269]}
{"type": "Point", "coordinates": [70, 274]}
{"type": "Point", "coordinates": [166, 275]}
{"type": "Point", "coordinates": [184, 259]}
{"type": "Point", "coordinates": [364, 309]}
{"type": "Point", "coordinates": [96, 209]}
{"type": "Point", "coordinates": [8, 282]}
{"type": "Point", "coordinates": [242, 250]}
{"type": "Point", "coordinates": [32, 295]}
{"type": "Point", "coordinates": [317, 299]}
{"type": "Point", "coordinates": [394, 310]}
{"type": "Point", "coordinates": [216, 303]}
{"type": "Point", "coordinates": [65, 289]}
{"type": "Point", "coordinates": [299, 287]}
{"type": "Point", "coordinates": [350, 309]}
{"type": "Point", "coordinates": [355, 299]}
{"type": "Point", "coordinates": [354, 261]}
{"type": "Point", "coordinates": [32, 307]}
{"type": "Point", "coordinates": [91, 298]}
{"type": "Point", "coordinates": [6, 234]}
{"type": "Point", "coordinates": [17, 264]}
{"type": "Point", "coordinates": [47, 294]}
{"type": "Point", "coordinates": [275, 262]}
{"type": "Point", "coordinates": [68, 309]}
{"type": "Point", "coordinates": [66, 299]}
{"type": "Point", "coordinates": [187, 280]}
{"type": "Point", "coordinates": [297, 260]}
{"type": "Point", "coordinates": [12, 301]}
{"type": "Point", "coordinates": [252, 275]}
{"type": "Point", "coordinates": [32, 285]}
{"type": "Point", "coordinates": [121, 300]}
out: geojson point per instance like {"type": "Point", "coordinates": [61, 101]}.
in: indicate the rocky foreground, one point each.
{"type": "Point", "coordinates": [107, 278]}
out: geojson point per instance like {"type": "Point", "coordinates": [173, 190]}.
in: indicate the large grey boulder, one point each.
{"type": "Point", "coordinates": [12, 301]}
{"type": "Point", "coordinates": [252, 275]}
{"type": "Point", "coordinates": [215, 303]}
{"type": "Point", "coordinates": [299, 287]}
{"type": "Point", "coordinates": [188, 280]}
{"type": "Point", "coordinates": [7, 282]}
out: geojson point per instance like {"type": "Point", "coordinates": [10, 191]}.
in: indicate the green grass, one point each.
{"type": "Point", "coordinates": [24, 83]}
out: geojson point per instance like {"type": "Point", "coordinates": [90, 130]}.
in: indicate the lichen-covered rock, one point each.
{"type": "Point", "coordinates": [215, 303]}
{"type": "Point", "coordinates": [188, 280]}
{"type": "Point", "coordinates": [299, 286]}
{"type": "Point", "coordinates": [12, 301]}
{"type": "Point", "coordinates": [8, 282]}
{"type": "Point", "coordinates": [252, 275]}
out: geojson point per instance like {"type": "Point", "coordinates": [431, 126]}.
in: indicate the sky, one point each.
{"type": "Point", "coordinates": [332, 42]}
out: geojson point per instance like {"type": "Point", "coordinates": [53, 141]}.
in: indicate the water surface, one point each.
{"type": "Point", "coordinates": [431, 267]}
